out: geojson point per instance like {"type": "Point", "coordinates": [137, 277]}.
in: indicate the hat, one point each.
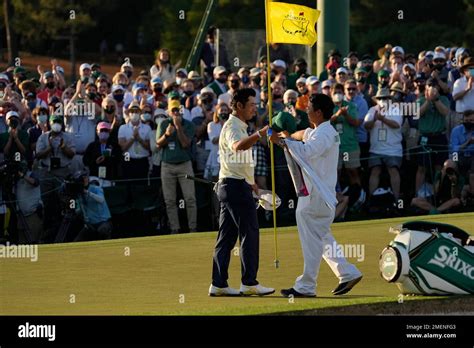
{"type": "Point", "coordinates": [409, 65]}
{"type": "Point", "coordinates": [173, 94]}
{"type": "Point", "coordinates": [104, 125]}
{"type": "Point", "coordinates": [134, 105]}
{"type": "Point", "coordinates": [255, 71]}
{"type": "Point", "coordinates": [30, 95]}
{"type": "Point", "coordinates": [440, 48]}
{"type": "Point", "coordinates": [341, 70]}
{"type": "Point", "coordinates": [360, 70]}
{"type": "Point", "coordinates": [127, 64]}
{"type": "Point", "coordinates": [11, 114]}
{"type": "Point", "coordinates": [429, 53]}
{"type": "Point", "coordinates": [383, 93]}
{"type": "Point", "coordinates": [265, 199]}
{"type": "Point", "coordinates": [219, 70]}
{"type": "Point", "coordinates": [420, 76]}
{"type": "Point", "coordinates": [290, 92]}
{"type": "Point", "coordinates": [301, 80]}
{"type": "Point", "coordinates": [117, 88]}
{"type": "Point", "coordinates": [326, 83]}
{"type": "Point", "coordinates": [172, 104]}
{"type": "Point", "coordinates": [19, 70]}
{"type": "Point", "coordinates": [366, 57]}
{"type": "Point", "coordinates": [334, 52]}
{"type": "Point", "coordinates": [383, 73]}
{"type": "Point", "coordinates": [4, 77]}
{"type": "Point", "coordinates": [84, 66]}
{"type": "Point", "coordinates": [279, 64]}
{"type": "Point", "coordinates": [156, 80]}
{"type": "Point", "coordinates": [398, 49]}
{"type": "Point", "coordinates": [242, 70]}
{"type": "Point", "coordinates": [48, 74]}
{"type": "Point", "coordinates": [55, 118]}
{"type": "Point", "coordinates": [182, 70]}
{"type": "Point", "coordinates": [206, 90]}
{"type": "Point", "coordinates": [138, 86]}
{"type": "Point", "coordinates": [95, 65]}
{"type": "Point", "coordinates": [194, 75]}
{"type": "Point", "coordinates": [397, 87]}
{"type": "Point", "coordinates": [60, 70]}
{"type": "Point", "coordinates": [439, 55]}
{"type": "Point", "coordinates": [159, 112]}
{"type": "Point", "coordinates": [467, 63]}
{"type": "Point", "coordinates": [311, 80]}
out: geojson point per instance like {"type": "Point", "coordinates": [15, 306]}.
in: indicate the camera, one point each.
{"type": "Point", "coordinates": [73, 186]}
{"type": "Point", "coordinates": [9, 172]}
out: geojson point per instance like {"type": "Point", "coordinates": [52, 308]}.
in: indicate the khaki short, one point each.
{"type": "Point", "coordinates": [349, 160]}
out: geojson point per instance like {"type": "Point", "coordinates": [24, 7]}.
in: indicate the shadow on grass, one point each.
{"type": "Point", "coordinates": [462, 305]}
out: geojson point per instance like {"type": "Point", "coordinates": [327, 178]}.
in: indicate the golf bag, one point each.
{"type": "Point", "coordinates": [429, 258]}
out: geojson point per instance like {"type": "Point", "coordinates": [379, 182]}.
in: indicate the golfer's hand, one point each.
{"type": "Point", "coordinates": [255, 188]}
{"type": "Point", "coordinates": [275, 138]}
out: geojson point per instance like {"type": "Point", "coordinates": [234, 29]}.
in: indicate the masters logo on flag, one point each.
{"type": "Point", "coordinates": [289, 23]}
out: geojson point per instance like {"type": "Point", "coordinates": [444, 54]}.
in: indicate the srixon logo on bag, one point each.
{"type": "Point", "coordinates": [448, 257]}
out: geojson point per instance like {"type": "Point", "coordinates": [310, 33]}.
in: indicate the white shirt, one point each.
{"type": "Point", "coordinates": [136, 150]}
{"type": "Point", "coordinates": [466, 102]}
{"type": "Point", "coordinates": [385, 140]}
{"type": "Point", "coordinates": [317, 156]}
{"type": "Point", "coordinates": [240, 164]}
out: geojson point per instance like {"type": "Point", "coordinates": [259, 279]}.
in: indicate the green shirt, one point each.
{"type": "Point", "coordinates": [432, 121]}
{"type": "Point", "coordinates": [24, 139]}
{"type": "Point", "coordinates": [283, 121]}
{"type": "Point", "coordinates": [173, 152]}
{"type": "Point", "coordinates": [348, 133]}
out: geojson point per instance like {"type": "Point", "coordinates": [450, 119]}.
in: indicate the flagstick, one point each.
{"type": "Point", "coordinates": [272, 160]}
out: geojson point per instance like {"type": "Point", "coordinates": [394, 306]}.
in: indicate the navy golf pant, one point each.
{"type": "Point", "coordinates": [238, 219]}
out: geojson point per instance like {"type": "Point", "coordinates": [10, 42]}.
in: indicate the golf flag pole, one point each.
{"type": "Point", "coordinates": [270, 114]}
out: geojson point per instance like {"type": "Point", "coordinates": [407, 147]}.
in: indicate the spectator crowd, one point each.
{"type": "Point", "coordinates": [405, 120]}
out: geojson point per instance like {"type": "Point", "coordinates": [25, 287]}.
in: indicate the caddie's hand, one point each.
{"type": "Point", "coordinates": [275, 138]}
{"type": "Point", "coordinates": [284, 134]}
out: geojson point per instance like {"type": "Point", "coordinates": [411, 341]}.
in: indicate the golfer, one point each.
{"type": "Point", "coordinates": [238, 214]}
{"type": "Point", "coordinates": [318, 155]}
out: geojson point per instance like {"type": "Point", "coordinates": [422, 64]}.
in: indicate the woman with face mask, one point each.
{"type": "Point", "coordinates": [146, 116]}
{"type": "Point", "coordinates": [110, 115]}
{"type": "Point", "coordinates": [15, 140]}
{"type": "Point", "coordinates": [163, 68]}
{"type": "Point", "coordinates": [102, 156]}
{"type": "Point", "coordinates": [41, 125]}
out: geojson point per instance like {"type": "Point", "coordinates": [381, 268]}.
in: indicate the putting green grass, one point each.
{"type": "Point", "coordinates": [170, 275]}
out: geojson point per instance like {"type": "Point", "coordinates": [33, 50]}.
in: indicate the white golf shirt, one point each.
{"type": "Point", "coordinates": [466, 102]}
{"type": "Point", "coordinates": [136, 150]}
{"type": "Point", "coordinates": [385, 140]}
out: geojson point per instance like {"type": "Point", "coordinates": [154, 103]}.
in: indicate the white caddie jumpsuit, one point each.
{"type": "Point", "coordinates": [318, 157]}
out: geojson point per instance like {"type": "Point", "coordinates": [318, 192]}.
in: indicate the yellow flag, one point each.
{"type": "Point", "coordinates": [290, 23]}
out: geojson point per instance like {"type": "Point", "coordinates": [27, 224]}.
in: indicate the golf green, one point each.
{"type": "Point", "coordinates": [170, 275]}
